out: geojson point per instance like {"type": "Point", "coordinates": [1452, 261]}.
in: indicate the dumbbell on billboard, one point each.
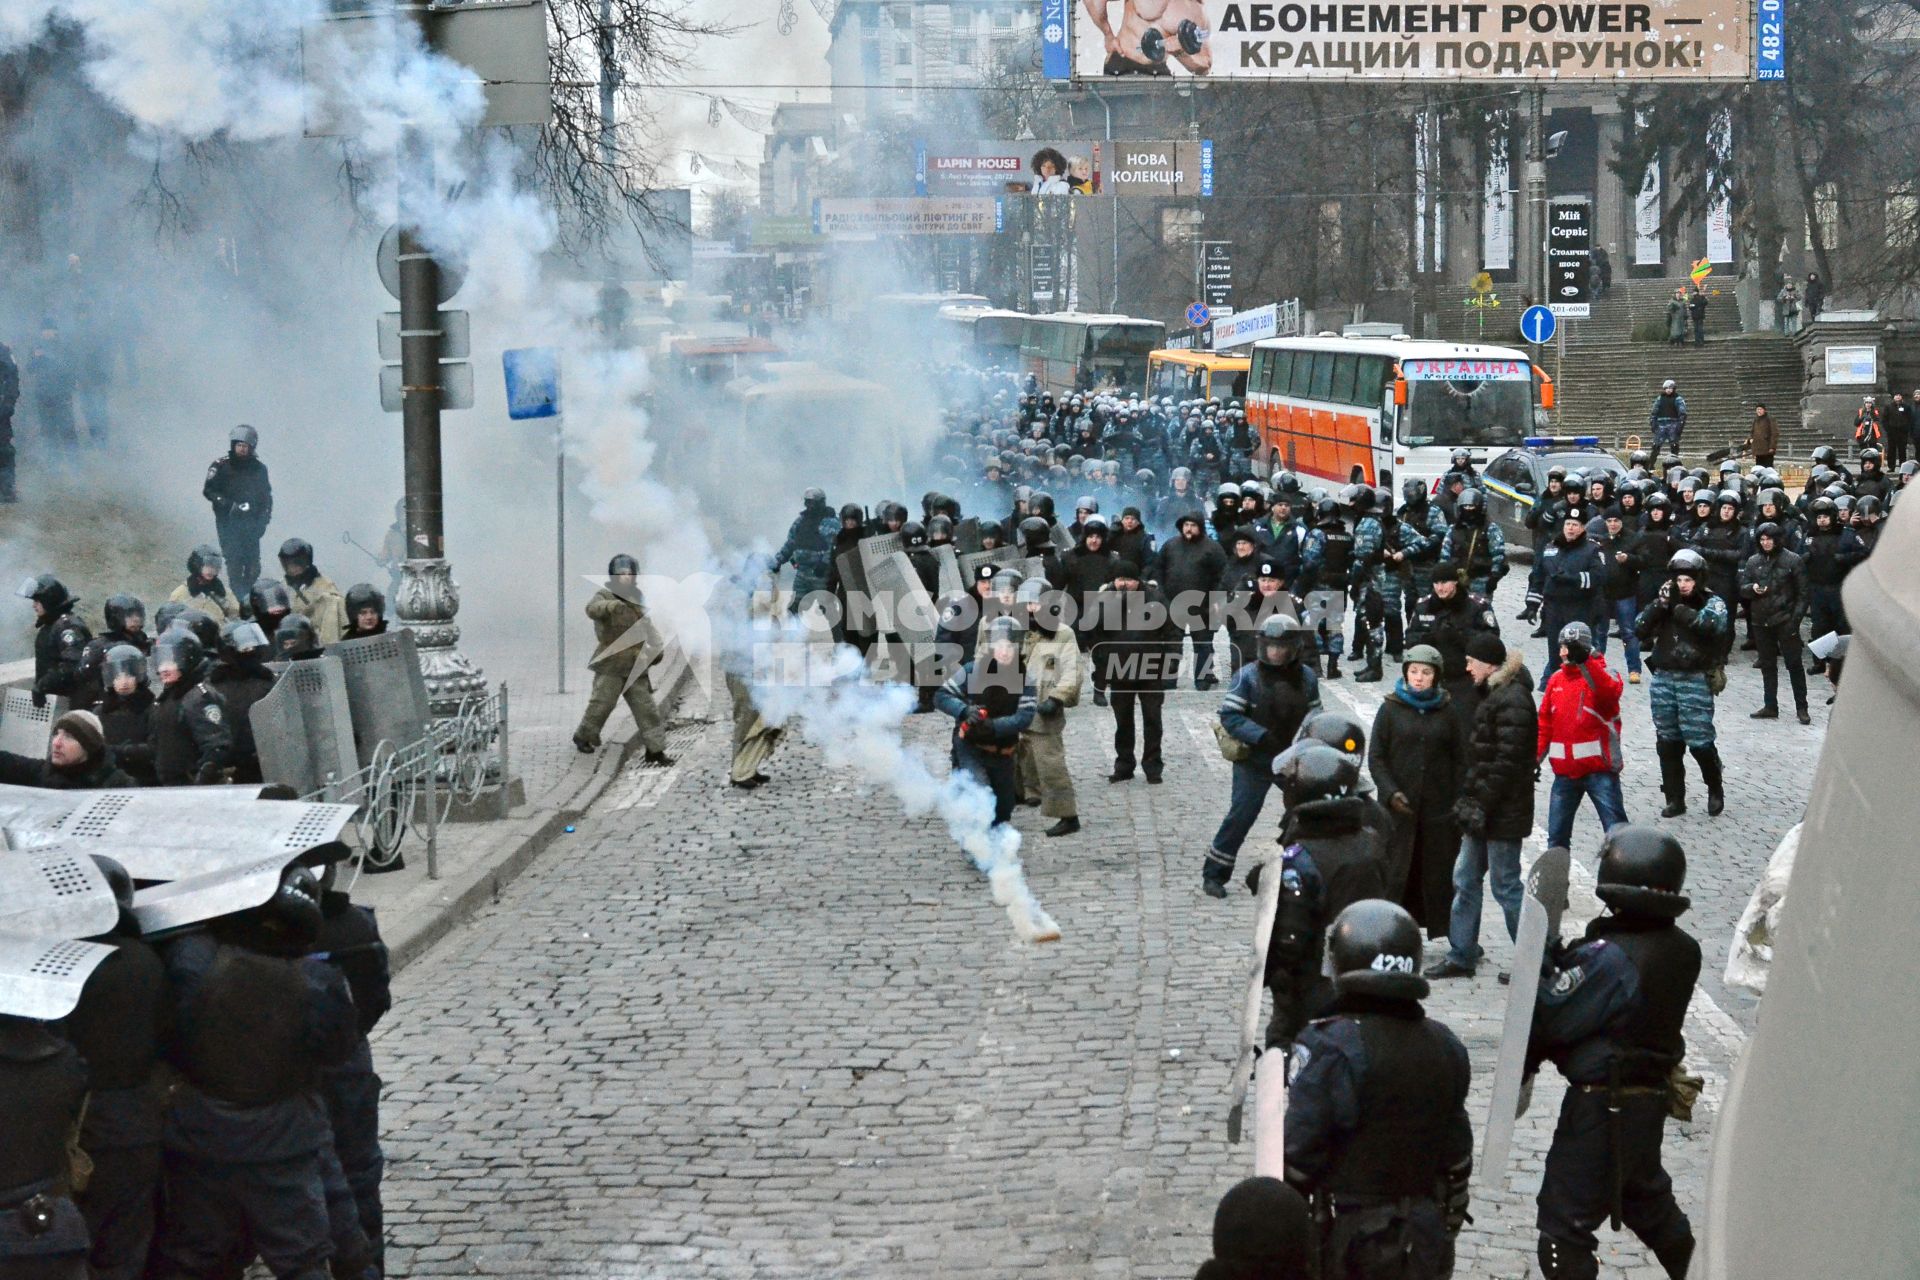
{"type": "Point", "coordinates": [1150, 32]}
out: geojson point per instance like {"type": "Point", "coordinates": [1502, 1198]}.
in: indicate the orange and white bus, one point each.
{"type": "Point", "coordinates": [1197, 375]}
{"type": "Point", "coordinates": [1371, 410]}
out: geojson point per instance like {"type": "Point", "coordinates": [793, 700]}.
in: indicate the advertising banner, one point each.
{"type": "Point", "coordinates": [860, 218]}
{"type": "Point", "coordinates": [1216, 274]}
{"type": "Point", "coordinates": [1243, 327]}
{"type": "Point", "coordinates": [1058, 168]}
{"type": "Point", "coordinates": [1385, 39]}
{"type": "Point", "coordinates": [1570, 257]}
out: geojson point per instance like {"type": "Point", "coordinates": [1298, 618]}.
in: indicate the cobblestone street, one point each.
{"type": "Point", "coordinates": [786, 1033]}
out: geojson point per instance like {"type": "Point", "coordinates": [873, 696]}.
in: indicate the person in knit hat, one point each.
{"type": "Point", "coordinates": [1260, 1232]}
{"type": "Point", "coordinates": [77, 759]}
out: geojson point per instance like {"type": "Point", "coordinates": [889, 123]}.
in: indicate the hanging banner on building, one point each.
{"type": "Point", "coordinates": [1647, 249]}
{"type": "Point", "coordinates": [1570, 258]}
{"type": "Point", "coordinates": [1084, 168]}
{"type": "Point", "coordinates": [1243, 327]}
{"type": "Point", "coordinates": [1056, 62]}
{"type": "Point", "coordinates": [1496, 209]}
{"type": "Point", "coordinates": [1042, 268]}
{"type": "Point", "coordinates": [860, 218]}
{"type": "Point", "coordinates": [1448, 40]}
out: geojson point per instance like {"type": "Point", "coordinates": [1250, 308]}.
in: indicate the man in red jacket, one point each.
{"type": "Point", "coordinates": [1580, 735]}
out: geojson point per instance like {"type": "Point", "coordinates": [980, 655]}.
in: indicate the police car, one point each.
{"type": "Point", "coordinates": [1515, 478]}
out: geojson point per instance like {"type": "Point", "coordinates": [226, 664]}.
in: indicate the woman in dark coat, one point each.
{"type": "Point", "coordinates": [1416, 754]}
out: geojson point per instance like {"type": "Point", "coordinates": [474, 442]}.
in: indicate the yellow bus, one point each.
{"type": "Point", "coordinates": [1197, 375]}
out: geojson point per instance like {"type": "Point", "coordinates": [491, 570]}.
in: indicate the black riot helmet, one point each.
{"type": "Point", "coordinates": [292, 914]}
{"type": "Point", "coordinates": [1640, 458]}
{"type": "Point", "coordinates": [124, 611]}
{"type": "Point", "coordinates": [1688, 561]}
{"type": "Point", "coordinates": [1034, 531]}
{"type": "Point", "coordinates": [1461, 460]}
{"type": "Point", "coordinates": [269, 597]}
{"type": "Point", "coordinates": [169, 614]}
{"type": "Point", "coordinates": [1335, 728]}
{"type": "Point", "coordinates": [914, 534]}
{"type": "Point", "coordinates": [1374, 946]}
{"type": "Point", "coordinates": [1413, 491]}
{"type": "Point", "coordinates": [1826, 457]}
{"type": "Point", "coordinates": [852, 514]}
{"type": "Point", "coordinates": [242, 638]}
{"type": "Point", "coordinates": [623, 565]}
{"type": "Point", "coordinates": [1663, 504]}
{"type": "Point", "coordinates": [814, 499]}
{"type": "Point", "coordinates": [1470, 507]}
{"type": "Point", "coordinates": [202, 556]}
{"type": "Point", "coordinates": [1313, 771]}
{"type": "Point", "coordinates": [296, 555]}
{"type": "Point", "coordinates": [940, 530]}
{"type": "Point", "coordinates": [1642, 870]}
{"type": "Point", "coordinates": [1280, 641]}
{"type": "Point", "coordinates": [296, 638]}
{"type": "Point", "coordinates": [178, 653]}
{"type": "Point", "coordinates": [1869, 459]}
{"type": "Point", "coordinates": [1767, 529]}
{"type": "Point", "coordinates": [1822, 507]}
{"type": "Point", "coordinates": [1326, 510]}
{"type": "Point", "coordinates": [1041, 504]}
{"type": "Point", "coordinates": [1359, 498]}
{"type": "Point", "coordinates": [122, 660]}
{"type": "Point", "coordinates": [362, 596]}
{"type": "Point", "coordinates": [1868, 508]}
{"type": "Point", "coordinates": [203, 627]}
{"type": "Point", "coordinates": [49, 593]}
{"type": "Point", "coordinates": [243, 434]}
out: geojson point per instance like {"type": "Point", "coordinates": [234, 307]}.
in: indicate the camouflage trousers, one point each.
{"type": "Point", "coordinates": [610, 686]}
{"type": "Point", "coordinates": [1042, 763]}
{"type": "Point", "coordinates": [1378, 624]}
{"type": "Point", "coordinates": [1682, 708]}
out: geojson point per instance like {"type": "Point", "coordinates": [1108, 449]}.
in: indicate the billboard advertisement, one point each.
{"type": "Point", "coordinates": [861, 218]}
{"type": "Point", "coordinates": [1675, 40]}
{"type": "Point", "coordinates": [1041, 168]}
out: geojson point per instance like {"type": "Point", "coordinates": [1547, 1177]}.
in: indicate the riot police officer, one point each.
{"type": "Point", "coordinates": [1476, 544]}
{"type": "Point", "coordinates": [628, 646]}
{"type": "Point", "coordinates": [1609, 1017]}
{"type": "Point", "coordinates": [241, 494]}
{"type": "Point", "coordinates": [1685, 633]}
{"type": "Point", "coordinates": [1263, 709]}
{"type": "Point", "coordinates": [43, 1085]}
{"type": "Point", "coordinates": [366, 612]}
{"type": "Point", "coordinates": [60, 640]}
{"type": "Point", "coordinates": [1377, 1126]}
{"type": "Point", "coordinates": [240, 677]}
{"type": "Point", "coordinates": [809, 542]}
{"type": "Point", "coordinates": [350, 941]}
{"type": "Point", "coordinates": [192, 737]}
{"type": "Point", "coordinates": [203, 589]}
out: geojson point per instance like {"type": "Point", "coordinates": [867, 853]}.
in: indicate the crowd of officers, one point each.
{"type": "Point", "coordinates": [170, 707]}
{"type": "Point", "coordinates": [211, 1099]}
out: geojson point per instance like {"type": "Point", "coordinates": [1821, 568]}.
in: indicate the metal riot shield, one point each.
{"type": "Point", "coordinates": [1062, 537]}
{"type": "Point", "coordinates": [41, 977]}
{"type": "Point", "coordinates": [1540, 915]}
{"type": "Point", "coordinates": [25, 728]}
{"type": "Point", "coordinates": [386, 693]}
{"type": "Point", "coordinates": [1266, 907]}
{"type": "Point", "coordinates": [971, 561]}
{"type": "Point", "coordinates": [238, 886]}
{"type": "Point", "coordinates": [950, 579]}
{"type": "Point", "coordinates": [1270, 1115]}
{"type": "Point", "coordinates": [901, 598]}
{"type": "Point", "coordinates": [875, 549]}
{"type": "Point", "coordinates": [303, 727]}
{"type": "Point", "coordinates": [173, 833]}
{"type": "Point", "coordinates": [1032, 567]}
{"type": "Point", "coordinates": [59, 892]}
{"type": "Point", "coordinates": [966, 535]}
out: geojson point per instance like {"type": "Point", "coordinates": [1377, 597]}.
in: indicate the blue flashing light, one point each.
{"type": "Point", "coordinates": [1561, 442]}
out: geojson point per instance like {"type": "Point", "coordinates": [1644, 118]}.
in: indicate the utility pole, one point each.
{"type": "Point", "coordinates": [428, 597]}
{"type": "Point", "coordinates": [1534, 244]}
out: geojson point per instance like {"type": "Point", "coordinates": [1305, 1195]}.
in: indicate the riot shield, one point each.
{"type": "Point", "coordinates": [59, 892]}
{"type": "Point", "coordinates": [1032, 567]}
{"type": "Point", "coordinates": [971, 561]}
{"type": "Point", "coordinates": [966, 535]}
{"type": "Point", "coordinates": [41, 977]}
{"type": "Point", "coordinates": [238, 886]}
{"type": "Point", "coordinates": [1062, 537]}
{"type": "Point", "coordinates": [303, 727]}
{"type": "Point", "coordinates": [900, 598]}
{"type": "Point", "coordinates": [386, 693]}
{"type": "Point", "coordinates": [25, 728]}
{"type": "Point", "coordinates": [1266, 907]}
{"type": "Point", "coordinates": [950, 579]}
{"type": "Point", "coordinates": [168, 833]}
{"type": "Point", "coordinates": [1540, 915]}
{"type": "Point", "coordinates": [1270, 1115]}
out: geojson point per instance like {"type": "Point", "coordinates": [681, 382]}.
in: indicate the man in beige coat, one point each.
{"type": "Point", "coordinates": [1050, 655]}
{"type": "Point", "coordinates": [627, 645]}
{"type": "Point", "coordinates": [315, 597]}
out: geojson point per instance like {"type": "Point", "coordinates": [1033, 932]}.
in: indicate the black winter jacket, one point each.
{"type": "Point", "coordinates": [1497, 792]}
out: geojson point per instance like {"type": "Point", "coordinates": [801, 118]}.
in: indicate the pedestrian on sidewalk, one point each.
{"type": "Point", "coordinates": [1495, 809]}
{"type": "Point", "coordinates": [1697, 307]}
{"type": "Point", "coordinates": [1773, 582]}
{"type": "Point", "coordinates": [628, 647]}
{"type": "Point", "coordinates": [1867, 432]}
{"type": "Point", "coordinates": [1580, 737]}
{"type": "Point", "coordinates": [1898, 425]}
{"type": "Point", "coordinates": [1602, 272]}
{"type": "Point", "coordinates": [1677, 318]}
{"type": "Point", "coordinates": [1786, 305]}
{"type": "Point", "coordinates": [1816, 297]}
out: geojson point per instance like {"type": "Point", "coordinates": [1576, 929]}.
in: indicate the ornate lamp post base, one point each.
{"type": "Point", "coordinates": [427, 601]}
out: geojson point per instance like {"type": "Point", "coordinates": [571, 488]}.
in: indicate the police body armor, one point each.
{"type": "Point", "coordinates": [1406, 1106]}
{"type": "Point", "coordinates": [1336, 557]}
{"type": "Point", "coordinates": [242, 1044]}
{"type": "Point", "coordinates": [1646, 1043]}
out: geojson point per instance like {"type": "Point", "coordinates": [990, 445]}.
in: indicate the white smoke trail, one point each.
{"type": "Point", "coordinates": [188, 70]}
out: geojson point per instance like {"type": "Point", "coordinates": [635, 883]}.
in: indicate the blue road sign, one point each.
{"type": "Point", "coordinates": [1198, 315]}
{"type": "Point", "coordinates": [533, 382]}
{"type": "Point", "coordinates": [1537, 324]}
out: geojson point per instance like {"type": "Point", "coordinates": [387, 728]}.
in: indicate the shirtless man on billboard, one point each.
{"type": "Point", "coordinates": [1150, 32]}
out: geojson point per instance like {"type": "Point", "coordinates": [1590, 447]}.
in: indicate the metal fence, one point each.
{"type": "Point", "coordinates": [416, 784]}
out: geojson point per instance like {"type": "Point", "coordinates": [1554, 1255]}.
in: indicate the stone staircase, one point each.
{"type": "Point", "coordinates": [1608, 378]}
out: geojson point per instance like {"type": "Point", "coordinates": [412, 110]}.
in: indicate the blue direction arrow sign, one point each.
{"type": "Point", "coordinates": [1537, 324]}
{"type": "Point", "coordinates": [1197, 315]}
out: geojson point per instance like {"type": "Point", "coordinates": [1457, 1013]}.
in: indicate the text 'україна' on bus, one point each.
{"type": "Point", "coordinates": [1373, 410]}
